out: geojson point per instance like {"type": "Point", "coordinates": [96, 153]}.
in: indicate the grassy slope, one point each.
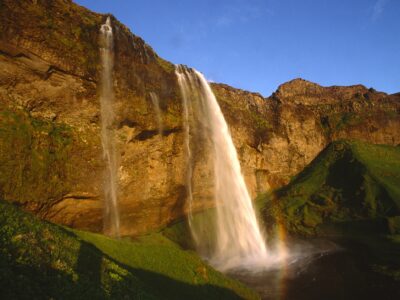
{"type": "Point", "coordinates": [43, 260]}
{"type": "Point", "coordinates": [350, 192]}
{"type": "Point", "coordinates": [348, 181]}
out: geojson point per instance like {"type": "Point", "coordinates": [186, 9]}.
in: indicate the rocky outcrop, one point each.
{"type": "Point", "coordinates": [289, 128]}
{"type": "Point", "coordinates": [50, 118]}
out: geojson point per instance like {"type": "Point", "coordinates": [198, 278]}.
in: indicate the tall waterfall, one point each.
{"type": "Point", "coordinates": [239, 241]}
{"type": "Point", "coordinates": [111, 214]}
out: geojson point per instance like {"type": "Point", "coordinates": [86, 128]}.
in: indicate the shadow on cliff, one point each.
{"type": "Point", "coordinates": [177, 209]}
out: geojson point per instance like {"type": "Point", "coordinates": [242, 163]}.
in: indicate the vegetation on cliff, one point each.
{"type": "Point", "coordinates": [35, 158]}
{"type": "Point", "coordinates": [49, 55]}
{"type": "Point", "coordinates": [44, 260]}
{"type": "Point", "coordinates": [63, 32]}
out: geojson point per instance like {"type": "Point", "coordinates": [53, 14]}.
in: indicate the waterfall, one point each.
{"type": "Point", "coordinates": [238, 241]}
{"type": "Point", "coordinates": [111, 214]}
{"type": "Point", "coordinates": [185, 91]}
{"type": "Point", "coordinates": [157, 111]}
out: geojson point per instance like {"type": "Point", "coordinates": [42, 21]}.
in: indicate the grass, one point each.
{"type": "Point", "coordinates": [349, 181]}
{"type": "Point", "coordinates": [202, 224]}
{"type": "Point", "coordinates": [179, 232]}
{"type": "Point", "coordinates": [42, 260]}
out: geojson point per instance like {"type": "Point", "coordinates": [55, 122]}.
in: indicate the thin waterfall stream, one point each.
{"type": "Point", "coordinates": [157, 110]}
{"type": "Point", "coordinates": [111, 214]}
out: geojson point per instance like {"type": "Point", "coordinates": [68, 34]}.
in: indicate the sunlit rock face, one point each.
{"type": "Point", "coordinates": [51, 156]}
{"type": "Point", "coordinates": [285, 131]}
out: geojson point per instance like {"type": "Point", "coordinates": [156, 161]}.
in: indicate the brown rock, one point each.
{"type": "Point", "coordinates": [50, 65]}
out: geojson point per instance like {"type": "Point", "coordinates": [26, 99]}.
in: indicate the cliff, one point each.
{"type": "Point", "coordinates": [51, 157]}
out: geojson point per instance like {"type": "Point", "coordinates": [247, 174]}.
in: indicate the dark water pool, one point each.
{"type": "Point", "coordinates": [322, 270]}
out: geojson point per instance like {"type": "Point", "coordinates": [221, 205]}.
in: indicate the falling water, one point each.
{"type": "Point", "coordinates": [185, 90]}
{"type": "Point", "coordinates": [239, 241]}
{"type": "Point", "coordinates": [157, 110]}
{"type": "Point", "coordinates": [111, 214]}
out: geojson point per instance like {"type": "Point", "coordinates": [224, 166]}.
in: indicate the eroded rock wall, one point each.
{"type": "Point", "coordinates": [50, 122]}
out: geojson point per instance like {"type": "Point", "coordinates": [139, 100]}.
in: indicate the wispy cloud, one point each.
{"type": "Point", "coordinates": [240, 11]}
{"type": "Point", "coordinates": [225, 16]}
{"type": "Point", "coordinates": [378, 9]}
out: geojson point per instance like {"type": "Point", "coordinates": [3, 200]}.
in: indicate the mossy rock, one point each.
{"type": "Point", "coordinates": [35, 158]}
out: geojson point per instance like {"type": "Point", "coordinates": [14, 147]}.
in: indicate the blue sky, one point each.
{"type": "Point", "coordinates": [258, 44]}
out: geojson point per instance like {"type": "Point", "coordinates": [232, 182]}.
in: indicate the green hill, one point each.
{"type": "Point", "coordinates": [349, 193]}
{"type": "Point", "coordinates": [45, 261]}
{"type": "Point", "coordinates": [349, 181]}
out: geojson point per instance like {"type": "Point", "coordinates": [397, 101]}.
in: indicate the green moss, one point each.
{"type": "Point", "coordinates": [334, 122]}
{"type": "Point", "coordinates": [166, 65]}
{"type": "Point", "coordinates": [43, 260]}
{"type": "Point", "coordinates": [34, 158]}
{"type": "Point", "coordinates": [260, 124]}
{"type": "Point", "coordinates": [348, 119]}
{"type": "Point", "coordinates": [68, 32]}
{"type": "Point", "coordinates": [348, 181]}
{"type": "Point", "coordinates": [155, 253]}
{"type": "Point", "coordinates": [202, 223]}
{"type": "Point", "coordinates": [179, 232]}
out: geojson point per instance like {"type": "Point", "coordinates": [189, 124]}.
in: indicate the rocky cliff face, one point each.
{"type": "Point", "coordinates": [289, 128]}
{"type": "Point", "coordinates": [51, 157]}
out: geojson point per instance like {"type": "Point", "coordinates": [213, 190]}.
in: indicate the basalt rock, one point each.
{"type": "Point", "coordinates": [51, 156]}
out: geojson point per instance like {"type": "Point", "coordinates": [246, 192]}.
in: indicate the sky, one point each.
{"type": "Point", "coordinates": [257, 45]}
